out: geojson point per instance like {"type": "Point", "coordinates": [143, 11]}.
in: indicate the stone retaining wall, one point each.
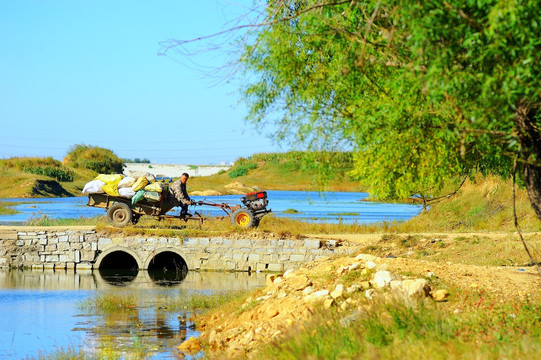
{"type": "Point", "coordinates": [77, 249]}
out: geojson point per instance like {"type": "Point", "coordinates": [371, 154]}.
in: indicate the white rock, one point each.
{"type": "Point", "coordinates": [354, 266]}
{"type": "Point", "coordinates": [328, 303]}
{"type": "Point", "coordinates": [308, 290]}
{"type": "Point", "coordinates": [354, 288]}
{"type": "Point", "coordinates": [383, 279]}
{"type": "Point", "coordinates": [366, 257]}
{"type": "Point", "coordinates": [338, 291]}
{"type": "Point", "coordinates": [411, 288]}
{"type": "Point", "coordinates": [289, 273]}
{"type": "Point", "coordinates": [370, 265]}
{"type": "Point", "coordinates": [369, 293]}
{"type": "Point", "coordinates": [317, 296]}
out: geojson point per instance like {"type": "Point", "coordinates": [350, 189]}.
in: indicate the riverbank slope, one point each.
{"type": "Point", "coordinates": [364, 305]}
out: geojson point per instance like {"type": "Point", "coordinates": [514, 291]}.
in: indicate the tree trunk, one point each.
{"type": "Point", "coordinates": [530, 141]}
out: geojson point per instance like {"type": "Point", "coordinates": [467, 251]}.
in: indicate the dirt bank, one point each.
{"type": "Point", "coordinates": [346, 283]}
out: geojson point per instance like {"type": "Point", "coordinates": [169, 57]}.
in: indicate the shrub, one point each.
{"type": "Point", "coordinates": [60, 174]}
{"type": "Point", "coordinates": [242, 170]}
{"type": "Point", "coordinates": [101, 160]}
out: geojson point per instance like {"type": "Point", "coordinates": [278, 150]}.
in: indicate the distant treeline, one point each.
{"type": "Point", "coordinates": [137, 160]}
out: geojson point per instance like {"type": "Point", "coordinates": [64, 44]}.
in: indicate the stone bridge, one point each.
{"type": "Point", "coordinates": [83, 248]}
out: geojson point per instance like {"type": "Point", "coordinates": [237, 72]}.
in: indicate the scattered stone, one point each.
{"type": "Point", "coordinates": [353, 288]}
{"type": "Point", "coordinates": [440, 295]}
{"type": "Point", "coordinates": [316, 297]}
{"type": "Point", "coordinates": [354, 266]}
{"type": "Point", "coordinates": [411, 288]}
{"type": "Point", "coordinates": [383, 278]}
{"type": "Point", "coordinates": [298, 282]}
{"type": "Point", "coordinates": [370, 265]}
{"type": "Point", "coordinates": [366, 257]}
{"type": "Point", "coordinates": [369, 294]}
{"type": "Point", "coordinates": [338, 291]}
{"type": "Point", "coordinates": [308, 290]}
{"type": "Point", "coordinates": [328, 303]}
{"type": "Point", "coordinates": [289, 273]}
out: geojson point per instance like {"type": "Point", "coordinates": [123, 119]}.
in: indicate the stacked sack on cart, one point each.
{"type": "Point", "coordinates": [136, 187]}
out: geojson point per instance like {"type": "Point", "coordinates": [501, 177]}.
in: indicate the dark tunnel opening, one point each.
{"type": "Point", "coordinates": [118, 268]}
{"type": "Point", "coordinates": [167, 268]}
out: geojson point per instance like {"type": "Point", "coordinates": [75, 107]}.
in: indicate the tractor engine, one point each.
{"type": "Point", "coordinates": [255, 201]}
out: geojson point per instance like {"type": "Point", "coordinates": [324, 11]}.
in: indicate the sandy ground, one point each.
{"type": "Point", "coordinates": [172, 170]}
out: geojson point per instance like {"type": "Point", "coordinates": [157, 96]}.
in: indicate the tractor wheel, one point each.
{"type": "Point", "coordinates": [242, 218]}
{"type": "Point", "coordinates": [119, 215]}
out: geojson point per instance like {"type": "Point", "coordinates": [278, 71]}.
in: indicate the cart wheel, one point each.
{"type": "Point", "coordinates": [119, 215]}
{"type": "Point", "coordinates": [242, 218]}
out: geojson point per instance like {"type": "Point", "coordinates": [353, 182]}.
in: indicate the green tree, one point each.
{"type": "Point", "coordinates": [420, 90]}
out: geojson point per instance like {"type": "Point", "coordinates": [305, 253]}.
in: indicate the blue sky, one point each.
{"type": "Point", "coordinates": [88, 72]}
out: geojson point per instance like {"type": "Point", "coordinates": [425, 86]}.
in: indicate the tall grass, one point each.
{"type": "Point", "coordinates": [44, 220]}
{"type": "Point", "coordinates": [28, 162]}
{"type": "Point", "coordinates": [109, 303]}
{"type": "Point", "coordinates": [490, 329]}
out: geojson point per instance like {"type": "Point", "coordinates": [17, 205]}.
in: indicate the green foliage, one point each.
{"type": "Point", "coordinates": [242, 169]}
{"type": "Point", "coordinates": [100, 160]}
{"type": "Point", "coordinates": [39, 166]}
{"type": "Point", "coordinates": [60, 174]}
{"type": "Point", "coordinates": [421, 91]}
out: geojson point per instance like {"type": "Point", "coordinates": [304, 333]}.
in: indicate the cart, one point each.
{"type": "Point", "coordinates": [121, 212]}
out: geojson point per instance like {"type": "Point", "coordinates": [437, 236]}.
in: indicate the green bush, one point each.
{"type": "Point", "coordinates": [242, 170]}
{"type": "Point", "coordinates": [102, 161]}
{"type": "Point", "coordinates": [60, 174]}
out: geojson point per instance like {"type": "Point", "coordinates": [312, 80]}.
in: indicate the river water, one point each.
{"type": "Point", "coordinates": [347, 207]}
{"type": "Point", "coordinates": [40, 312]}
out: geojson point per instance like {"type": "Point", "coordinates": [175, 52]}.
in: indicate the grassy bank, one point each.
{"type": "Point", "coordinates": [286, 171]}
{"type": "Point", "coordinates": [5, 207]}
{"type": "Point", "coordinates": [487, 327]}
{"type": "Point", "coordinates": [40, 177]}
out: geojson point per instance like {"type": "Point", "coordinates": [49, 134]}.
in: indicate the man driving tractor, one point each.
{"type": "Point", "coordinates": [178, 196]}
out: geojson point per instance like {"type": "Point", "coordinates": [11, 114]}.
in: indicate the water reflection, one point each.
{"type": "Point", "coordinates": [40, 311]}
{"type": "Point", "coordinates": [167, 278]}
{"type": "Point", "coordinates": [143, 280]}
{"type": "Point", "coordinates": [118, 277]}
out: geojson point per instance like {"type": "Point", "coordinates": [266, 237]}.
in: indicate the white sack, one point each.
{"type": "Point", "coordinates": [126, 192]}
{"type": "Point", "coordinates": [137, 174]}
{"type": "Point", "coordinates": [93, 187]}
{"type": "Point", "coordinates": [126, 182]}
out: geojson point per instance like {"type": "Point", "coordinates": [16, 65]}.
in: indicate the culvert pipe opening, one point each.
{"type": "Point", "coordinates": [167, 268]}
{"type": "Point", "coordinates": [118, 267]}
